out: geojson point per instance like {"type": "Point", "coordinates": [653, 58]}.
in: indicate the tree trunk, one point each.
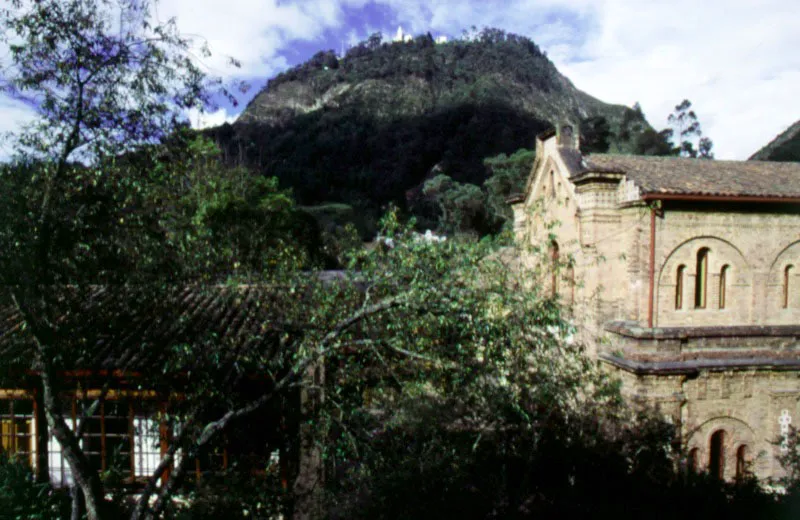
{"type": "Point", "coordinates": [85, 477]}
{"type": "Point", "coordinates": [77, 503]}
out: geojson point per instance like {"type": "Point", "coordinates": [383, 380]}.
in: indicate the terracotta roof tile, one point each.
{"type": "Point", "coordinates": [118, 322]}
{"type": "Point", "coordinates": [676, 175]}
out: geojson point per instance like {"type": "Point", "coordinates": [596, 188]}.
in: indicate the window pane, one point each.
{"type": "Point", "coordinates": [146, 445]}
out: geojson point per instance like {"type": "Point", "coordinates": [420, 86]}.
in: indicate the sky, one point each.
{"type": "Point", "coordinates": [737, 61]}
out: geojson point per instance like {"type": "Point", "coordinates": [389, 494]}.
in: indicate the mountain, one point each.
{"type": "Point", "coordinates": [785, 147]}
{"type": "Point", "coordinates": [368, 128]}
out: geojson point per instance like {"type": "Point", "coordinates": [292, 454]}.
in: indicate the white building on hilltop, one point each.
{"type": "Point", "coordinates": [402, 36]}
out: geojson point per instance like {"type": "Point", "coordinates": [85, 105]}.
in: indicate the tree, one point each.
{"type": "Point", "coordinates": [461, 204]}
{"type": "Point", "coordinates": [471, 345]}
{"type": "Point", "coordinates": [103, 80]}
{"type": "Point", "coordinates": [507, 176]}
{"type": "Point", "coordinates": [704, 148]}
{"type": "Point", "coordinates": [686, 129]}
{"type": "Point", "coordinates": [650, 142]}
{"type": "Point", "coordinates": [595, 134]}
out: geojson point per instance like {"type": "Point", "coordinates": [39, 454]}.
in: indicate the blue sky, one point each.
{"type": "Point", "coordinates": [736, 60]}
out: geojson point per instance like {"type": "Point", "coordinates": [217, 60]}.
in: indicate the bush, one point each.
{"type": "Point", "coordinates": [21, 497]}
{"type": "Point", "coordinates": [233, 496]}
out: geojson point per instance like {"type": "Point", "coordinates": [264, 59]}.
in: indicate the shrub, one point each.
{"type": "Point", "coordinates": [21, 497]}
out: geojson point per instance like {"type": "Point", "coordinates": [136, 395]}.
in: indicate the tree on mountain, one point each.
{"type": "Point", "coordinates": [461, 205]}
{"type": "Point", "coordinates": [686, 130]}
{"type": "Point", "coordinates": [595, 134]}
{"type": "Point", "coordinates": [507, 176]}
{"type": "Point", "coordinates": [651, 142]}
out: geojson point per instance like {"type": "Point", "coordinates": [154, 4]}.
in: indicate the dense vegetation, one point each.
{"type": "Point", "coordinates": [369, 129]}
{"type": "Point", "coordinates": [346, 156]}
{"type": "Point", "coordinates": [785, 147]}
{"type": "Point", "coordinates": [452, 384]}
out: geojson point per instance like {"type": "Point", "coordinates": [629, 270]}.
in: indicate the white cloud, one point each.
{"type": "Point", "coordinates": [13, 116]}
{"type": "Point", "coordinates": [736, 60]}
{"type": "Point", "coordinates": [254, 32]}
{"type": "Point", "coordinates": [201, 120]}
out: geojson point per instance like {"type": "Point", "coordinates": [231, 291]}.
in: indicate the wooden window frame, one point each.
{"type": "Point", "coordinates": [12, 437]}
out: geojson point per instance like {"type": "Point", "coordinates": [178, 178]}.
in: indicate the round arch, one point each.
{"type": "Point", "coordinates": [780, 258]}
{"type": "Point", "coordinates": [688, 248]}
{"type": "Point", "coordinates": [716, 451]}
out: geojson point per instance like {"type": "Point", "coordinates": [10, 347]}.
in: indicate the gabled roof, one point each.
{"type": "Point", "coordinates": [682, 176]}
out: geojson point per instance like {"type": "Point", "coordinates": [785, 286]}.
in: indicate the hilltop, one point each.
{"type": "Point", "coordinates": [368, 128]}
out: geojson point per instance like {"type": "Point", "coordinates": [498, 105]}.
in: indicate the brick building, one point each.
{"type": "Point", "coordinates": [684, 277]}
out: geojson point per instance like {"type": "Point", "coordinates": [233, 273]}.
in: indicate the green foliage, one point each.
{"type": "Point", "coordinates": [99, 74]}
{"type": "Point", "coordinates": [100, 220]}
{"type": "Point", "coordinates": [595, 135]}
{"type": "Point", "coordinates": [104, 80]}
{"type": "Point", "coordinates": [470, 350]}
{"type": "Point", "coordinates": [686, 129]}
{"type": "Point", "coordinates": [449, 65]}
{"type": "Point", "coordinates": [651, 142]}
{"type": "Point", "coordinates": [243, 224]}
{"type": "Point", "coordinates": [235, 496]}
{"type": "Point", "coordinates": [22, 498]}
{"type": "Point", "coordinates": [508, 175]}
{"type": "Point", "coordinates": [551, 464]}
{"type": "Point", "coordinates": [461, 205]}
{"type": "Point", "coordinates": [394, 115]}
{"type": "Point", "coordinates": [350, 156]}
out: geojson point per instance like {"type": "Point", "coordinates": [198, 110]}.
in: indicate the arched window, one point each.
{"type": "Point", "coordinates": [692, 461]}
{"type": "Point", "coordinates": [716, 455]}
{"type": "Point", "coordinates": [552, 184]}
{"type": "Point", "coordinates": [701, 279]}
{"type": "Point", "coordinates": [787, 280]}
{"type": "Point", "coordinates": [723, 285]}
{"type": "Point", "coordinates": [741, 461]}
{"type": "Point", "coordinates": [679, 287]}
{"type": "Point", "coordinates": [554, 268]}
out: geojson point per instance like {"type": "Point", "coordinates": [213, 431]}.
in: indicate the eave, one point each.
{"type": "Point", "coordinates": [634, 330]}
{"type": "Point", "coordinates": [597, 176]}
{"type": "Point", "coordinates": [694, 366]}
{"type": "Point", "coordinates": [647, 197]}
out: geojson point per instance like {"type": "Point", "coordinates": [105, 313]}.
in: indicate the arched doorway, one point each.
{"type": "Point", "coordinates": [716, 454]}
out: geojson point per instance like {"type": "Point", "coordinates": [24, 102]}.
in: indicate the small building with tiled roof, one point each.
{"type": "Point", "coordinates": [684, 278]}
{"type": "Point", "coordinates": [126, 336]}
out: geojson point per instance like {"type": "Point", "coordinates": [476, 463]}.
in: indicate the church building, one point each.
{"type": "Point", "coordinates": [683, 276]}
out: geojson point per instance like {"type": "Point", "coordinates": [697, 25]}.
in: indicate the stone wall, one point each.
{"type": "Point", "coordinates": [734, 371]}
{"type": "Point", "coordinates": [755, 244]}
{"type": "Point", "coordinates": [747, 405]}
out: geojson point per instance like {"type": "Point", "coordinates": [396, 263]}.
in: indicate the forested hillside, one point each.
{"type": "Point", "coordinates": [371, 127]}
{"type": "Point", "coordinates": [785, 147]}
